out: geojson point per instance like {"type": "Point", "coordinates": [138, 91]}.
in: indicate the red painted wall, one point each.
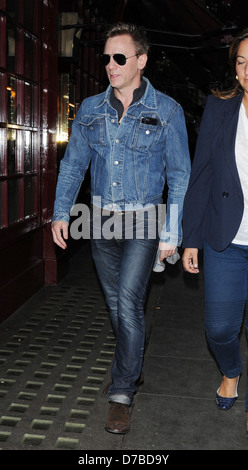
{"type": "Point", "coordinates": [27, 256]}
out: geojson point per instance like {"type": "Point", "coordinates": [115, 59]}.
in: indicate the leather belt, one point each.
{"type": "Point", "coordinates": [109, 213]}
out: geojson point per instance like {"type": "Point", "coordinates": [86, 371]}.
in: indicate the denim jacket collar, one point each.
{"type": "Point", "coordinates": [137, 94]}
{"type": "Point", "coordinates": [148, 99]}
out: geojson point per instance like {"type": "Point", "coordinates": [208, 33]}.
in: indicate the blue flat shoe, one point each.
{"type": "Point", "coordinates": [224, 403]}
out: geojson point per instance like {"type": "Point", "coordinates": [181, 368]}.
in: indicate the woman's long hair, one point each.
{"type": "Point", "coordinates": [236, 88]}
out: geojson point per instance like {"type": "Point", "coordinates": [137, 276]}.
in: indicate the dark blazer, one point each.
{"type": "Point", "coordinates": [214, 204]}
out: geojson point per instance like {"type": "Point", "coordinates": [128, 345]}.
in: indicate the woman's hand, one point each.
{"type": "Point", "coordinates": [166, 250]}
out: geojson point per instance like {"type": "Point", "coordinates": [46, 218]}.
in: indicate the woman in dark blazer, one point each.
{"type": "Point", "coordinates": [215, 219]}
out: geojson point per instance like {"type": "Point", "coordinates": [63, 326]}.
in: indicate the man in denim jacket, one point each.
{"type": "Point", "coordinates": [135, 139]}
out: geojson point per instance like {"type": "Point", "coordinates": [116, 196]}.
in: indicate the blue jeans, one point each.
{"type": "Point", "coordinates": [226, 289]}
{"type": "Point", "coordinates": [124, 266]}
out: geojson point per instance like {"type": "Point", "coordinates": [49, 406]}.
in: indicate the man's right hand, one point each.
{"type": "Point", "coordinates": [60, 233]}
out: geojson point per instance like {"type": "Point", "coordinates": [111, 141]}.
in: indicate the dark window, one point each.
{"type": "Point", "coordinates": [19, 112]}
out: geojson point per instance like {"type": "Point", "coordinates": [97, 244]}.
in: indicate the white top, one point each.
{"type": "Point", "coordinates": [241, 152]}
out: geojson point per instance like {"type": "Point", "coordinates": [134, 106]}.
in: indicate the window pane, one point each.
{"type": "Point", "coordinates": [11, 47]}
{"type": "Point", "coordinates": [66, 107]}
{"type": "Point", "coordinates": [3, 87]}
{"type": "Point", "coordinates": [71, 108]}
{"type": "Point", "coordinates": [11, 151]}
{"type": "Point", "coordinates": [29, 15]}
{"type": "Point", "coordinates": [28, 56]}
{"type": "Point", "coordinates": [28, 152]}
{"type": "Point", "coordinates": [28, 105]}
{"type": "Point", "coordinates": [13, 201]}
{"type": "Point", "coordinates": [1, 205]}
{"type": "Point", "coordinates": [29, 196]}
{"type": "Point", "coordinates": [12, 8]}
{"type": "Point", "coordinates": [12, 102]}
{"type": "Point", "coordinates": [2, 151]}
{"type": "Point", "coordinates": [3, 46]}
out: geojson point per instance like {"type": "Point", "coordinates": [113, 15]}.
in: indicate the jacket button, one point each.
{"type": "Point", "coordinates": [225, 194]}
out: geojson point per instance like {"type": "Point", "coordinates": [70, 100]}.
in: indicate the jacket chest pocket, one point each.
{"type": "Point", "coordinates": [146, 133]}
{"type": "Point", "coordinates": [95, 129]}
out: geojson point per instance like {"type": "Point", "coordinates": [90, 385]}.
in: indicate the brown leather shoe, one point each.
{"type": "Point", "coordinates": [139, 382]}
{"type": "Point", "coordinates": [118, 418]}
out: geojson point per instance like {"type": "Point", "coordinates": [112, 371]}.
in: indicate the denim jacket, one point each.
{"type": "Point", "coordinates": [129, 161]}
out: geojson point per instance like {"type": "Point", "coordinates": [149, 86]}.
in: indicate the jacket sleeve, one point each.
{"type": "Point", "coordinates": [198, 195]}
{"type": "Point", "coordinates": [177, 163]}
{"type": "Point", "coordinates": [73, 167]}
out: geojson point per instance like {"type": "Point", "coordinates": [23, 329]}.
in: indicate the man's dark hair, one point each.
{"type": "Point", "coordinates": [138, 36]}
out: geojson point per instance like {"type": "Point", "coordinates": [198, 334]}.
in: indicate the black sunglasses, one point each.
{"type": "Point", "coordinates": [120, 59]}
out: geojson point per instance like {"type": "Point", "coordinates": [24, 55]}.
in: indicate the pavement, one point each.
{"type": "Point", "coordinates": [56, 353]}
